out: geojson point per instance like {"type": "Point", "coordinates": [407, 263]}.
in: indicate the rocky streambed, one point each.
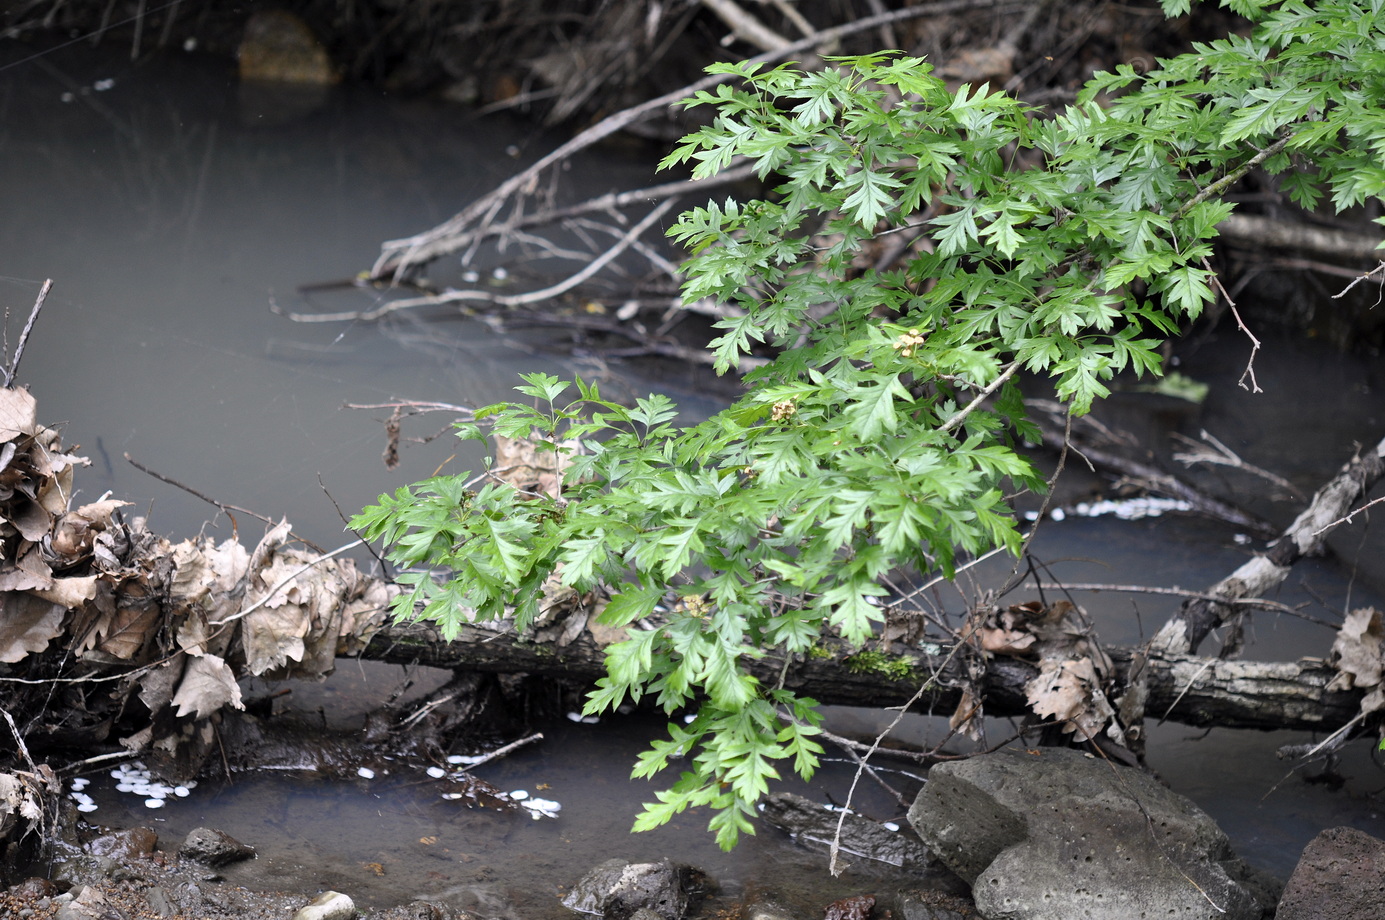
{"type": "Point", "coordinates": [1030, 834]}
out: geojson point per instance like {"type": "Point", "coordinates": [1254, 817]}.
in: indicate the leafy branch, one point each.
{"type": "Point", "coordinates": [881, 433]}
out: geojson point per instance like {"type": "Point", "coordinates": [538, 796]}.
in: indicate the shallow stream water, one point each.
{"type": "Point", "coordinates": [171, 212]}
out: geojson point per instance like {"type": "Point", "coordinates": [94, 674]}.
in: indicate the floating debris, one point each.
{"type": "Point", "coordinates": [133, 778]}
{"type": "Point", "coordinates": [541, 808]}
{"type": "Point", "coordinates": [1127, 509]}
{"type": "Point", "coordinates": [519, 795]}
{"type": "Point", "coordinates": [585, 720]}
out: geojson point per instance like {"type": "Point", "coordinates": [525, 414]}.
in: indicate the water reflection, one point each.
{"type": "Point", "coordinates": [170, 225]}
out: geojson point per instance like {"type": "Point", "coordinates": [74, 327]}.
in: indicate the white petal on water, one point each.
{"type": "Point", "coordinates": [153, 803]}
{"type": "Point", "coordinates": [436, 772]}
{"type": "Point", "coordinates": [86, 807]}
{"type": "Point", "coordinates": [519, 795]}
{"type": "Point", "coordinates": [365, 773]}
{"type": "Point", "coordinates": [181, 791]}
{"type": "Point", "coordinates": [891, 826]}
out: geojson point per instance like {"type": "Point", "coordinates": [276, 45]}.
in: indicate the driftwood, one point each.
{"type": "Point", "coordinates": [1183, 633]}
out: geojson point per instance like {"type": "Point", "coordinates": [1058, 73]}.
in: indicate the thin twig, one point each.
{"type": "Point", "coordinates": [507, 749]}
{"type": "Point", "coordinates": [1254, 342]}
{"type": "Point", "coordinates": [504, 300]}
{"type": "Point", "coordinates": [1347, 519]}
{"type": "Point", "coordinates": [24, 336]}
{"type": "Point", "coordinates": [980, 397]}
{"type": "Point", "coordinates": [398, 256]}
{"type": "Point", "coordinates": [284, 581]}
{"type": "Point", "coordinates": [19, 741]}
{"type": "Point", "coordinates": [196, 494]}
{"type": "Point", "coordinates": [1343, 292]}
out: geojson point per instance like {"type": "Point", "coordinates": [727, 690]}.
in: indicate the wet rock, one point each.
{"type": "Point", "coordinates": [1062, 834]}
{"type": "Point", "coordinates": [279, 47]}
{"type": "Point", "coordinates": [424, 910]}
{"type": "Point", "coordinates": [125, 845]}
{"type": "Point", "coordinates": [812, 824]}
{"type": "Point", "coordinates": [32, 888]}
{"type": "Point", "coordinates": [934, 905]}
{"type": "Point", "coordinates": [214, 848]}
{"type": "Point", "coordinates": [856, 907]}
{"type": "Point", "coordinates": [330, 905]}
{"type": "Point", "coordinates": [1340, 876]}
{"type": "Point", "coordinates": [87, 904]}
{"type": "Point", "coordinates": [767, 910]}
{"type": "Point", "coordinates": [618, 889]}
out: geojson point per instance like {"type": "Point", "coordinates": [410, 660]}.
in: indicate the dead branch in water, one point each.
{"type": "Point", "coordinates": [399, 257]}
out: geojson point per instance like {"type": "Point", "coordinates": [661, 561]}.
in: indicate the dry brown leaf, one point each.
{"type": "Point", "coordinates": [75, 531]}
{"type": "Point", "coordinates": [296, 630]}
{"type": "Point", "coordinates": [21, 801]}
{"type": "Point", "coordinates": [69, 592]}
{"type": "Point", "coordinates": [27, 625]}
{"type": "Point", "coordinates": [27, 573]}
{"type": "Point", "coordinates": [966, 719]}
{"type": "Point", "coordinates": [18, 413]}
{"type": "Point", "coordinates": [1007, 641]}
{"type": "Point", "coordinates": [529, 467]}
{"type": "Point", "coordinates": [1069, 691]}
{"type": "Point", "coordinates": [362, 617]}
{"type": "Point", "coordinates": [156, 684]}
{"type": "Point", "coordinates": [127, 630]}
{"type": "Point", "coordinates": [1357, 650]}
{"type": "Point", "coordinates": [207, 685]}
{"type": "Point", "coordinates": [31, 519]}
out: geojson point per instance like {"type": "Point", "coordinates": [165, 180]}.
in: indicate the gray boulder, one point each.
{"type": "Point", "coordinates": [214, 848]}
{"type": "Point", "coordinates": [620, 890]}
{"type": "Point", "coordinates": [1061, 834]}
{"type": "Point", "coordinates": [1340, 876]}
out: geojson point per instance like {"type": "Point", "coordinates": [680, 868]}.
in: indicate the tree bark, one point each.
{"type": "Point", "coordinates": [1185, 689]}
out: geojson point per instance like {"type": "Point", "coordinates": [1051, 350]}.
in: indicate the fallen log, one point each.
{"type": "Point", "coordinates": [1185, 689]}
{"type": "Point", "coordinates": [149, 640]}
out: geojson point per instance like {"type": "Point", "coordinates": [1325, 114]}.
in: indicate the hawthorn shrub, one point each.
{"type": "Point", "coordinates": [882, 433]}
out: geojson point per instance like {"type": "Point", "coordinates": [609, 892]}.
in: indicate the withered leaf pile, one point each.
{"type": "Point", "coordinates": [129, 622]}
{"type": "Point", "coordinates": [1357, 652]}
{"type": "Point", "coordinates": [1074, 672]}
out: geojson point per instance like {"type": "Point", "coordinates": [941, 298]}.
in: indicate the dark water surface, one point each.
{"type": "Point", "coordinates": [171, 213]}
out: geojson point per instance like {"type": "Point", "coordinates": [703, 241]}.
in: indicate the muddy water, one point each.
{"type": "Point", "coordinates": [172, 213]}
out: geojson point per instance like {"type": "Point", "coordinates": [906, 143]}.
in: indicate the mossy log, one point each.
{"type": "Point", "coordinates": [1186, 689]}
